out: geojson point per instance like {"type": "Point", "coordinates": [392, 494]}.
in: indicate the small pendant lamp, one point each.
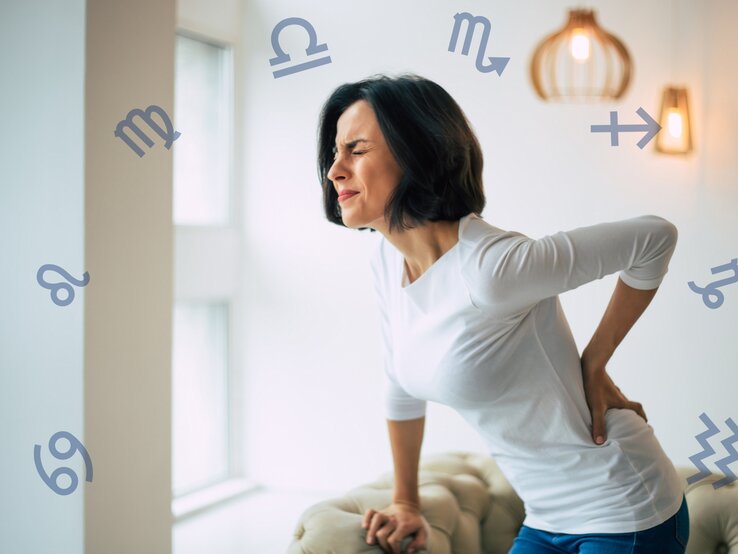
{"type": "Point", "coordinates": [676, 134]}
{"type": "Point", "coordinates": [580, 62]}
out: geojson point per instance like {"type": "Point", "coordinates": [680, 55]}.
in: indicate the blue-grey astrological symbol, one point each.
{"type": "Point", "coordinates": [283, 57]}
{"type": "Point", "coordinates": [708, 450]}
{"type": "Point", "coordinates": [496, 64]}
{"type": "Point", "coordinates": [54, 287]}
{"type": "Point", "coordinates": [712, 288]}
{"type": "Point", "coordinates": [651, 127]}
{"type": "Point", "coordinates": [170, 135]}
{"type": "Point", "coordinates": [74, 446]}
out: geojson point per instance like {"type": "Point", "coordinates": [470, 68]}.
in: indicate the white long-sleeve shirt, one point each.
{"type": "Point", "coordinates": [482, 331]}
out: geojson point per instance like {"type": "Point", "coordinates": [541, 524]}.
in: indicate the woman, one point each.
{"type": "Point", "coordinates": [471, 318]}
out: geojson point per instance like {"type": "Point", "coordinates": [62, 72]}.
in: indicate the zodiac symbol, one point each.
{"type": "Point", "coordinates": [712, 288]}
{"type": "Point", "coordinates": [283, 57]}
{"type": "Point", "coordinates": [651, 126]}
{"type": "Point", "coordinates": [74, 446]}
{"type": "Point", "coordinates": [170, 135]}
{"type": "Point", "coordinates": [497, 64]}
{"type": "Point", "coordinates": [54, 287]}
{"type": "Point", "coordinates": [708, 450]}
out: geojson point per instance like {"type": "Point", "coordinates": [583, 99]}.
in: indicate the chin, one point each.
{"type": "Point", "coordinates": [349, 218]}
{"type": "Point", "coordinates": [351, 223]}
{"type": "Point", "coordinates": [355, 221]}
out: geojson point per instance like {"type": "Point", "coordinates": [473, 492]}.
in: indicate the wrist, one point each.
{"type": "Point", "coordinates": [406, 502]}
{"type": "Point", "coordinates": [594, 359]}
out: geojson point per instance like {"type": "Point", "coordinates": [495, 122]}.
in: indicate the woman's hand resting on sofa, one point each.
{"type": "Point", "coordinates": [391, 525]}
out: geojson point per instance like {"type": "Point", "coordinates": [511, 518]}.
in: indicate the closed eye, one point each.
{"type": "Point", "coordinates": [356, 152]}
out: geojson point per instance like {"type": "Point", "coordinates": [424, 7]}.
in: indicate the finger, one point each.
{"type": "Point", "coordinates": [384, 532]}
{"type": "Point", "coordinates": [638, 407]}
{"type": "Point", "coordinates": [419, 541]}
{"type": "Point", "coordinates": [598, 427]}
{"type": "Point", "coordinates": [374, 525]}
{"type": "Point", "coordinates": [367, 517]}
{"type": "Point", "coordinates": [394, 540]}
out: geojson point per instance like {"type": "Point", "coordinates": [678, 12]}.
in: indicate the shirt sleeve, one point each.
{"type": "Point", "coordinates": [512, 272]}
{"type": "Point", "coordinates": [398, 404]}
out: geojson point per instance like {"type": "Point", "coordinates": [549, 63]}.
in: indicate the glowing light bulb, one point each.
{"type": "Point", "coordinates": [674, 123]}
{"type": "Point", "coordinates": [676, 126]}
{"type": "Point", "coordinates": [580, 44]}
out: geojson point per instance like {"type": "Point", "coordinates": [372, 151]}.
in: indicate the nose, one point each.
{"type": "Point", "coordinates": [337, 170]}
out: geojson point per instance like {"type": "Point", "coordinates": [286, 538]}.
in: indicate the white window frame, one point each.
{"type": "Point", "coordinates": [209, 267]}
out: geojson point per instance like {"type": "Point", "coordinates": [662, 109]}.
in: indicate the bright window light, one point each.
{"type": "Point", "coordinates": [203, 114]}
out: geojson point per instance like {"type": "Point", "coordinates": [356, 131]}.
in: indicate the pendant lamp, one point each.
{"type": "Point", "coordinates": [676, 127]}
{"type": "Point", "coordinates": [580, 62]}
{"type": "Point", "coordinates": [675, 136]}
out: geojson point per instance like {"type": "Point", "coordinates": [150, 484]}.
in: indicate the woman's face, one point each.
{"type": "Point", "coordinates": [366, 167]}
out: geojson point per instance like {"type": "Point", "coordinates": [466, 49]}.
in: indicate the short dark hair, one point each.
{"type": "Point", "coordinates": [429, 136]}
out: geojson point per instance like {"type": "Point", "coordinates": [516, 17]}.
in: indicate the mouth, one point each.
{"type": "Point", "coordinates": [346, 196]}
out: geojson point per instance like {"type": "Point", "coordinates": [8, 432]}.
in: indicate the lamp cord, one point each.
{"type": "Point", "coordinates": [671, 41]}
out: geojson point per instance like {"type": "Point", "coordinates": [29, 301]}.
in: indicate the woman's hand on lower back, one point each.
{"type": "Point", "coordinates": [602, 394]}
{"type": "Point", "coordinates": [390, 526]}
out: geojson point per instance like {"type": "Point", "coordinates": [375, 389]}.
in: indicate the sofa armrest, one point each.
{"type": "Point", "coordinates": [462, 495]}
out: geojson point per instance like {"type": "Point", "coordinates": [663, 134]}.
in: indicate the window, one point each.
{"type": "Point", "coordinates": [199, 396]}
{"type": "Point", "coordinates": [206, 432]}
{"type": "Point", "coordinates": [203, 114]}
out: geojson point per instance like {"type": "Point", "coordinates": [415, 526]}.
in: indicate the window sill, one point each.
{"type": "Point", "coordinates": [194, 503]}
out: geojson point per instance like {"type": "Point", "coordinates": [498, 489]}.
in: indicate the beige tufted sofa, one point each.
{"type": "Point", "coordinates": [472, 509]}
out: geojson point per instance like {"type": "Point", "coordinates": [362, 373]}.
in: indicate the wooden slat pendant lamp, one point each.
{"type": "Point", "coordinates": [580, 62]}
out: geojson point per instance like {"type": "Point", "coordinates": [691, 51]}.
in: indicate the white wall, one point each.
{"type": "Point", "coordinates": [312, 343]}
{"type": "Point", "coordinates": [41, 209]}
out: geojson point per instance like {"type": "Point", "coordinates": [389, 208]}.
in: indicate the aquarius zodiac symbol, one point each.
{"type": "Point", "coordinates": [708, 450]}
{"type": "Point", "coordinates": [54, 287]}
{"type": "Point", "coordinates": [283, 57]}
